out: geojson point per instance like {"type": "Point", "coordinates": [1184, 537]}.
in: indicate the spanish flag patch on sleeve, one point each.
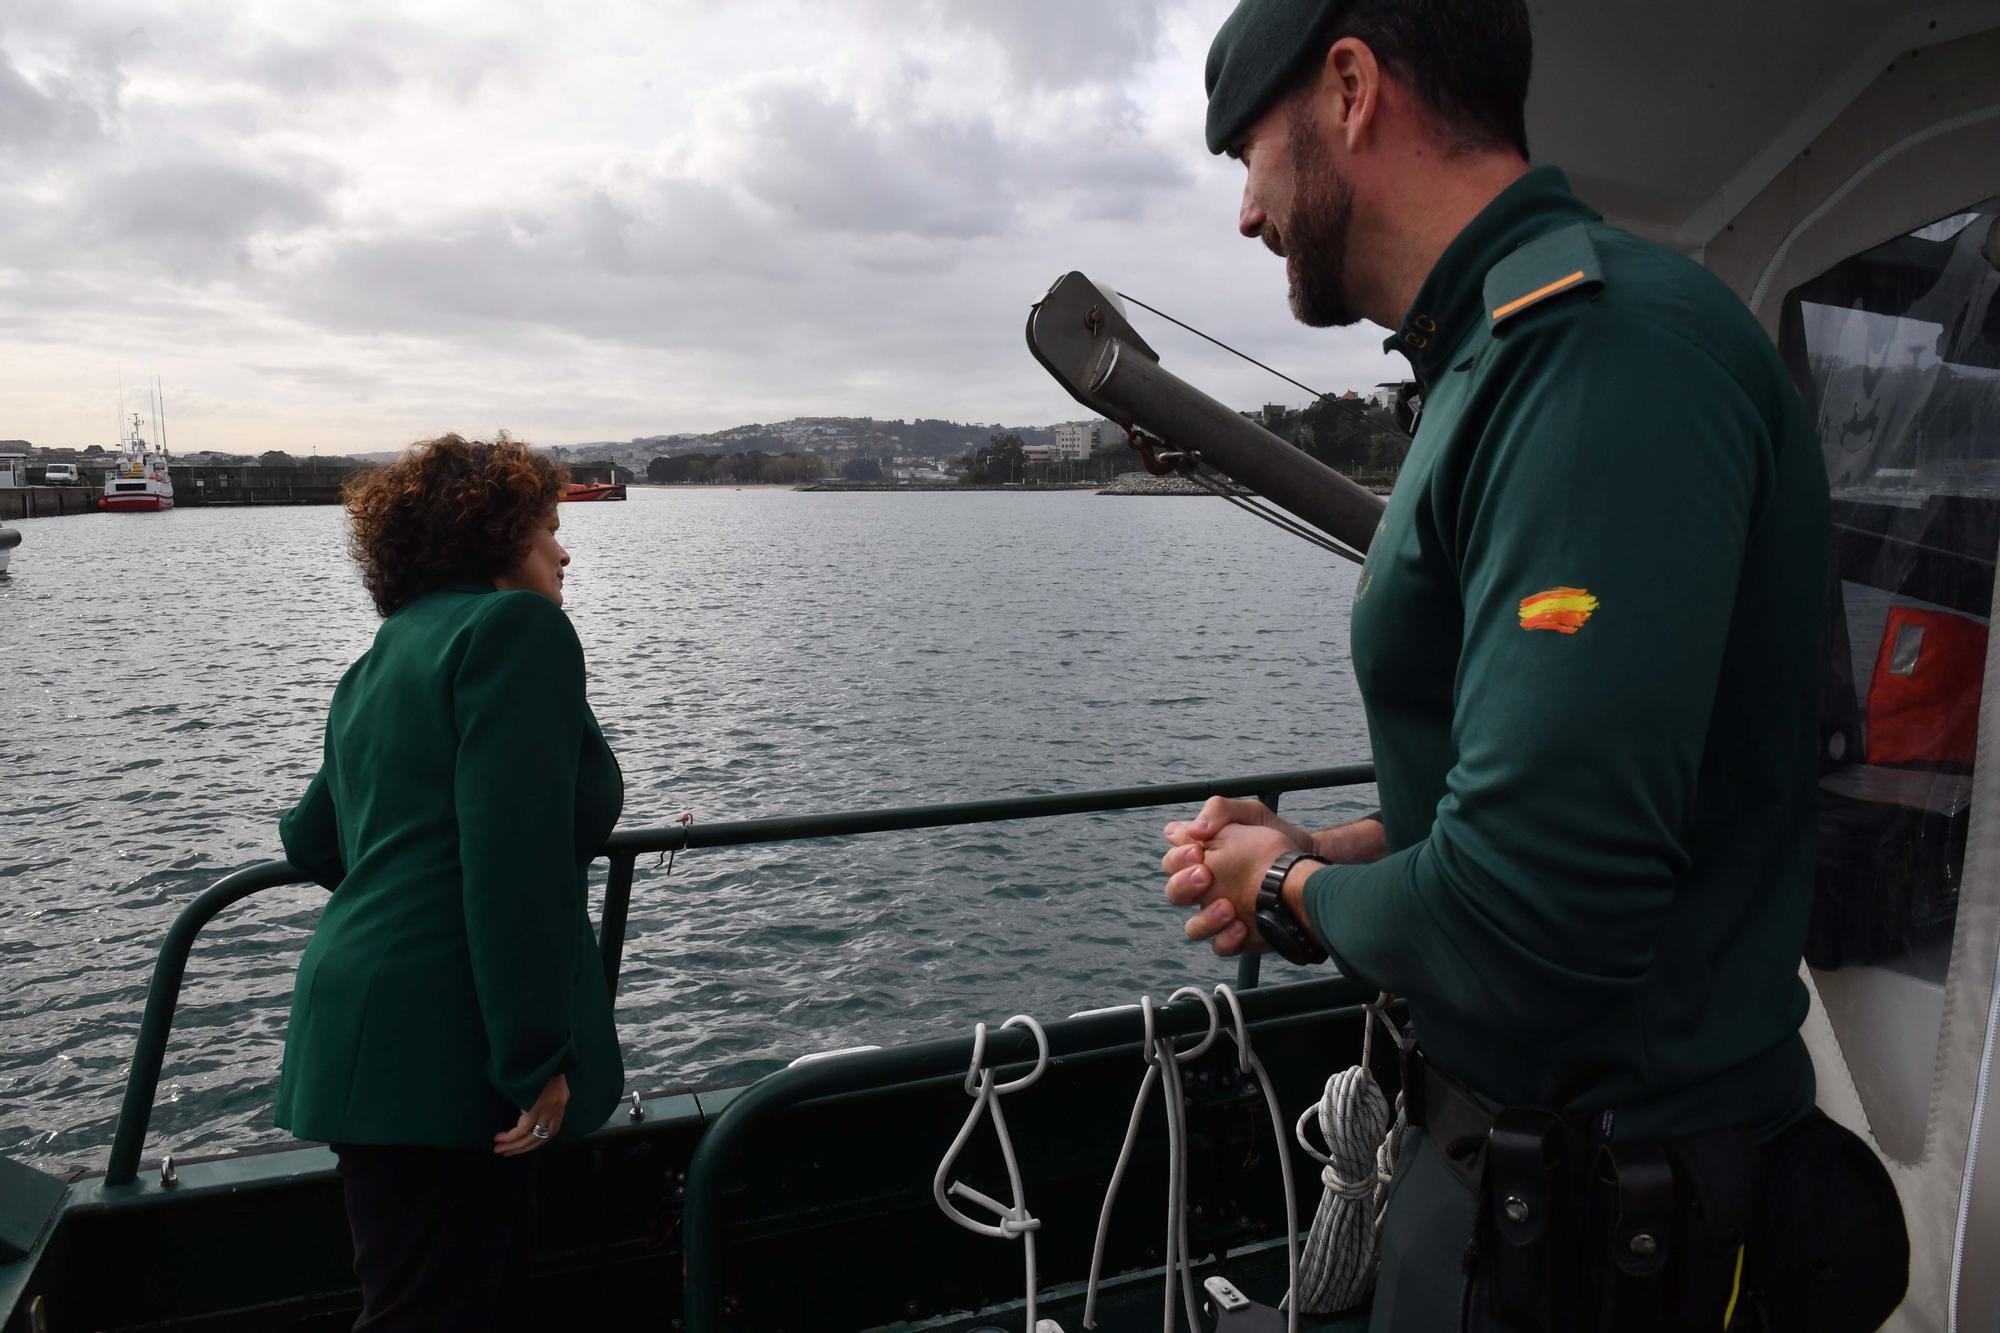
{"type": "Point", "coordinates": [1563, 610]}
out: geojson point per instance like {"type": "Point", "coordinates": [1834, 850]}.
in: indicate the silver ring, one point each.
{"type": "Point", "coordinates": [540, 1131]}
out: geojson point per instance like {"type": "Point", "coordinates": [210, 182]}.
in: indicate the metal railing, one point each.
{"type": "Point", "coordinates": [624, 848]}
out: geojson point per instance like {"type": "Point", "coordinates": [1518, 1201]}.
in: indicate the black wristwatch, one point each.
{"type": "Point", "coordinates": [1291, 937]}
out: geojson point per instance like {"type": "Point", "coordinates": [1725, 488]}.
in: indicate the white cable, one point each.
{"type": "Point", "coordinates": [1247, 1062]}
{"type": "Point", "coordinates": [1014, 1220]}
{"type": "Point", "coordinates": [1162, 1065]}
{"type": "Point", "coordinates": [1361, 1146]}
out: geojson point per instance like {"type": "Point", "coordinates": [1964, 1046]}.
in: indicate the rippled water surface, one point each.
{"type": "Point", "coordinates": [755, 652]}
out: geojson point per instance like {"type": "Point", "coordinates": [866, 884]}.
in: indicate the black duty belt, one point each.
{"type": "Point", "coordinates": [1578, 1234]}
{"type": "Point", "coordinates": [1572, 1232]}
{"type": "Point", "coordinates": [1458, 1119]}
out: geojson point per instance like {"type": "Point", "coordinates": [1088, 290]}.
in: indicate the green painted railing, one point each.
{"type": "Point", "coordinates": [624, 848]}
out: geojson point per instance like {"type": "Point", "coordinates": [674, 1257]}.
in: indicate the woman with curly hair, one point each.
{"type": "Point", "coordinates": [450, 1016]}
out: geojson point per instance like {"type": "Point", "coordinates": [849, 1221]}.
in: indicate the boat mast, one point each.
{"type": "Point", "coordinates": [160, 391]}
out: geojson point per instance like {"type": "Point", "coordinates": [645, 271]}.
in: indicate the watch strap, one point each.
{"type": "Point", "coordinates": [1283, 931]}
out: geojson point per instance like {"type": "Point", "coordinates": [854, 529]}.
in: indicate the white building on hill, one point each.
{"type": "Point", "coordinates": [1078, 439]}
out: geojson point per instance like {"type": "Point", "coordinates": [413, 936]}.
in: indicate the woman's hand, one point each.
{"type": "Point", "coordinates": [546, 1114]}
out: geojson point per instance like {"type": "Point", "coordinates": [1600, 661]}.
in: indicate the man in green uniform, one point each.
{"type": "Point", "coordinates": [1586, 635]}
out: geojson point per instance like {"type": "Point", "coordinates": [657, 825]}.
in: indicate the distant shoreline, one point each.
{"type": "Point", "coordinates": [1149, 488]}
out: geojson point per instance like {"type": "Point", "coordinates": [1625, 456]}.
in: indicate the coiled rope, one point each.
{"type": "Point", "coordinates": [1013, 1221]}
{"type": "Point", "coordinates": [1360, 1155]}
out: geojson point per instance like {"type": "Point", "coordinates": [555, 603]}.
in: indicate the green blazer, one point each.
{"type": "Point", "coordinates": [463, 791]}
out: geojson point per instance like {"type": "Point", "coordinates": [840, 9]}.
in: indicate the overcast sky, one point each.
{"type": "Point", "coordinates": [353, 224]}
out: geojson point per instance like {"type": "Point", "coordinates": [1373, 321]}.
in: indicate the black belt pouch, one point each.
{"type": "Point", "coordinates": [1828, 1252]}
{"type": "Point", "coordinates": [1520, 1247]}
{"type": "Point", "coordinates": [1720, 1176]}
{"type": "Point", "coordinates": [1631, 1242]}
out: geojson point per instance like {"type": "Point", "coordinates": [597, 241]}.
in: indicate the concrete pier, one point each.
{"type": "Point", "coordinates": [19, 502]}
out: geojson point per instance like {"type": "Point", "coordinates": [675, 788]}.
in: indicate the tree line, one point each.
{"type": "Point", "coordinates": [751, 467]}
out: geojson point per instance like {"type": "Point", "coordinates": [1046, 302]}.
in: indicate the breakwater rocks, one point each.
{"type": "Point", "coordinates": [1144, 483]}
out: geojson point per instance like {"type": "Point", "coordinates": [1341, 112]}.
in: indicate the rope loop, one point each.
{"type": "Point", "coordinates": [1026, 1080]}
{"type": "Point", "coordinates": [1214, 1022]}
{"type": "Point", "coordinates": [1345, 1188]}
{"type": "Point", "coordinates": [978, 1065]}
{"type": "Point", "coordinates": [1242, 1029]}
{"type": "Point", "coordinates": [1012, 1221]}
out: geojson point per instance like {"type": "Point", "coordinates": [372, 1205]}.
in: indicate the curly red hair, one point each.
{"type": "Point", "coordinates": [449, 509]}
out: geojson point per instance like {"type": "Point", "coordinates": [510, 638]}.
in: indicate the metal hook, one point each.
{"type": "Point", "coordinates": [685, 821]}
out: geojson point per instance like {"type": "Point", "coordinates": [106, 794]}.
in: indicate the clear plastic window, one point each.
{"type": "Point", "coordinates": [1897, 351]}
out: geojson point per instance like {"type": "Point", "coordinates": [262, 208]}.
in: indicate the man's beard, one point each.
{"type": "Point", "coordinates": [1316, 235]}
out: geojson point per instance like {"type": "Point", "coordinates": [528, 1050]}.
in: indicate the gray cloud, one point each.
{"type": "Point", "coordinates": [368, 56]}
{"type": "Point", "coordinates": [817, 163]}
{"type": "Point", "coordinates": [1061, 43]}
{"type": "Point", "coordinates": [195, 216]}
{"type": "Point", "coordinates": [390, 227]}
{"type": "Point", "coordinates": [653, 255]}
{"type": "Point", "coordinates": [44, 118]}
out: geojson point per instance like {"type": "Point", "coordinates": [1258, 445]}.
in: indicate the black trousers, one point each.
{"type": "Point", "coordinates": [442, 1236]}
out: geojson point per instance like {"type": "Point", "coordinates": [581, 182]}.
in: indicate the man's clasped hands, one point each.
{"type": "Point", "coordinates": [1215, 863]}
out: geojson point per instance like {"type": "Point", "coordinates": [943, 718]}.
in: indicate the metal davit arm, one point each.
{"type": "Point", "coordinates": [1080, 336]}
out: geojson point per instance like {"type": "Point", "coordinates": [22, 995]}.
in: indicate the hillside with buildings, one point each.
{"type": "Point", "coordinates": [1356, 433]}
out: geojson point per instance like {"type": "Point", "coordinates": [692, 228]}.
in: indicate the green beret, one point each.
{"type": "Point", "coordinates": [1262, 46]}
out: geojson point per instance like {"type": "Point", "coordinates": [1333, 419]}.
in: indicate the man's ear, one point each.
{"type": "Point", "coordinates": [1349, 93]}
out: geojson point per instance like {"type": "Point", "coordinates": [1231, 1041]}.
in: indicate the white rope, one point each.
{"type": "Point", "coordinates": [1162, 1066]}
{"type": "Point", "coordinates": [1247, 1062]}
{"type": "Point", "coordinates": [1355, 1166]}
{"type": "Point", "coordinates": [1014, 1220]}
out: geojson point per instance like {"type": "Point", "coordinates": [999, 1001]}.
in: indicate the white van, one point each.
{"type": "Point", "coordinates": [60, 474]}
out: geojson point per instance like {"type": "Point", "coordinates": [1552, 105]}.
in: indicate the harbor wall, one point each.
{"type": "Point", "coordinates": [198, 486]}
{"type": "Point", "coordinates": [19, 502]}
{"type": "Point", "coordinates": [194, 487]}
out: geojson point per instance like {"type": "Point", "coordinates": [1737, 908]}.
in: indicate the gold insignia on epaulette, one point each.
{"type": "Point", "coordinates": [1560, 284]}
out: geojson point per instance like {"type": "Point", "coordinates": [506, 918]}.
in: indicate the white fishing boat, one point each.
{"type": "Point", "coordinates": [140, 482]}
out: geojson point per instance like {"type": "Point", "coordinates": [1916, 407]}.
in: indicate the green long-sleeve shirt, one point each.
{"type": "Point", "coordinates": [1587, 640]}
{"type": "Point", "coordinates": [463, 791]}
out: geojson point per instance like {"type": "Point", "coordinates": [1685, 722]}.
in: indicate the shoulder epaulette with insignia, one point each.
{"type": "Point", "coordinates": [1558, 265]}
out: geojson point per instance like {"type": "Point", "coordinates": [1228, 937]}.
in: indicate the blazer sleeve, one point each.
{"type": "Point", "coordinates": [310, 832]}
{"type": "Point", "coordinates": [518, 698]}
